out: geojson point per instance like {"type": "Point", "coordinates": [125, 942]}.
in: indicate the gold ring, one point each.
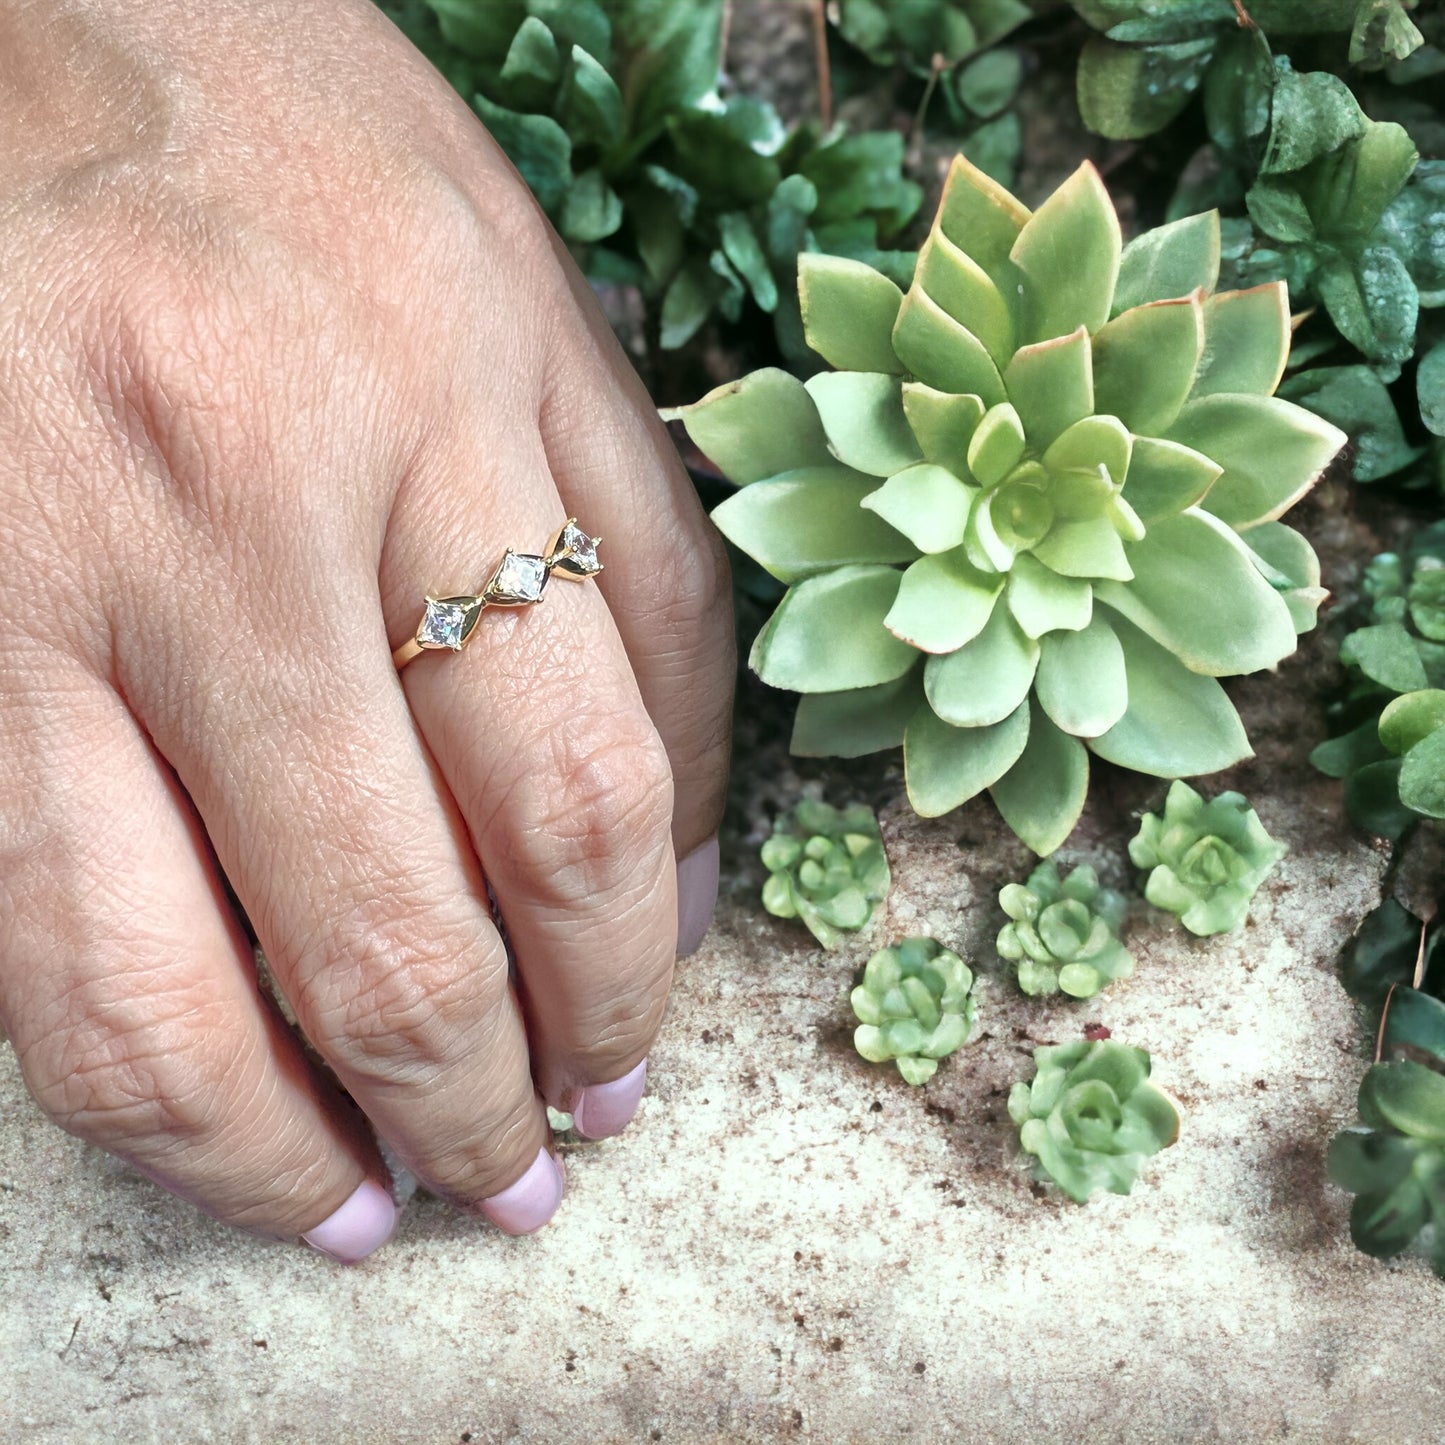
{"type": "Point", "coordinates": [520, 580]}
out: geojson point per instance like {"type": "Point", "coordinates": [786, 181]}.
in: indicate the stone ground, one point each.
{"type": "Point", "coordinates": [790, 1242]}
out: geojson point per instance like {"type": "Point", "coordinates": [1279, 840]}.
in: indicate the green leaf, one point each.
{"type": "Point", "coordinates": [1051, 385]}
{"type": "Point", "coordinates": [483, 31]}
{"type": "Point", "coordinates": [1145, 362]}
{"type": "Point", "coordinates": [687, 303]}
{"type": "Point", "coordinates": [1246, 341]}
{"type": "Point", "coordinates": [1165, 477]}
{"type": "Point", "coordinates": [849, 311]}
{"type": "Point", "coordinates": [1312, 114]}
{"type": "Point", "coordinates": [1082, 683]}
{"type": "Point", "coordinates": [1430, 385]}
{"type": "Point", "coordinates": [576, 22]}
{"type": "Point", "coordinates": [1351, 751]}
{"type": "Point", "coordinates": [982, 218]}
{"type": "Point", "coordinates": [862, 414]}
{"type": "Point", "coordinates": [709, 154]}
{"type": "Point", "coordinates": [1411, 718]}
{"type": "Point", "coordinates": [927, 504]}
{"type": "Point", "coordinates": [943, 423]}
{"type": "Point", "coordinates": [946, 766]}
{"type": "Point", "coordinates": [953, 279]}
{"type": "Point", "coordinates": [994, 147]}
{"type": "Point", "coordinates": [861, 173]}
{"type": "Point", "coordinates": [1126, 92]}
{"type": "Point", "coordinates": [741, 246]}
{"type": "Point", "coordinates": [533, 66]}
{"type": "Point", "coordinates": [1042, 795]}
{"type": "Point", "coordinates": [1089, 548]}
{"type": "Point", "coordinates": [940, 352]}
{"type": "Point", "coordinates": [943, 602]}
{"type": "Point", "coordinates": [1415, 1021]}
{"type": "Point", "coordinates": [1272, 453]}
{"type": "Point", "coordinates": [1197, 592]}
{"type": "Point", "coordinates": [1386, 653]}
{"type": "Point", "coordinates": [1091, 443]}
{"type": "Point", "coordinates": [536, 145]}
{"type": "Point", "coordinates": [1356, 400]}
{"type": "Point", "coordinates": [852, 723]}
{"type": "Point", "coordinates": [987, 84]}
{"type": "Point", "coordinates": [986, 679]}
{"type": "Point", "coordinates": [591, 102]}
{"type": "Point", "coordinates": [1178, 724]}
{"type": "Point", "coordinates": [591, 211]}
{"type": "Point", "coordinates": [760, 426]}
{"type": "Point", "coordinates": [1372, 799]}
{"type": "Point", "coordinates": [1422, 776]}
{"type": "Point", "coordinates": [1169, 262]}
{"type": "Point", "coordinates": [1408, 1097]}
{"type": "Point", "coordinates": [670, 57]}
{"type": "Point", "coordinates": [828, 634]}
{"type": "Point", "coordinates": [1279, 210]}
{"type": "Point", "coordinates": [1043, 601]}
{"type": "Point", "coordinates": [1372, 301]}
{"type": "Point", "coordinates": [808, 521]}
{"type": "Point", "coordinates": [1068, 253]}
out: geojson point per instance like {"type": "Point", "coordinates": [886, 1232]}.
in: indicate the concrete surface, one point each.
{"type": "Point", "coordinates": [790, 1242]}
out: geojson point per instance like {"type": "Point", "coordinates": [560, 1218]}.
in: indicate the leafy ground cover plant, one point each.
{"type": "Point", "coordinates": [610, 110]}
{"type": "Point", "coordinates": [914, 32]}
{"type": "Point", "coordinates": [915, 1005]}
{"type": "Point", "coordinates": [1063, 933]}
{"type": "Point", "coordinates": [1148, 60]}
{"type": "Point", "coordinates": [1398, 653]}
{"type": "Point", "coordinates": [1205, 860]}
{"type": "Point", "coordinates": [826, 866]}
{"type": "Point", "coordinates": [1033, 512]}
{"type": "Point", "coordinates": [1091, 1117]}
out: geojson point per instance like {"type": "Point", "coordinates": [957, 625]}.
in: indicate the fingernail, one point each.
{"type": "Point", "coordinates": [524, 1207]}
{"type": "Point", "coordinates": [363, 1224]}
{"type": "Point", "coordinates": [696, 895]}
{"type": "Point", "coordinates": [603, 1110]}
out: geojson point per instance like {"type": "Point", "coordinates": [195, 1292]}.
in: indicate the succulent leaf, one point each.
{"type": "Point", "coordinates": [916, 1004]}
{"type": "Point", "coordinates": [1065, 932]}
{"type": "Point", "coordinates": [1205, 860]}
{"type": "Point", "coordinates": [826, 866]}
{"type": "Point", "coordinates": [1091, 1117]}
{"type": "Point", "coordinates": [1093, 489]}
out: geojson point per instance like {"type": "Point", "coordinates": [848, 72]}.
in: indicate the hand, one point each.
{"type": "Point", "coordinates": [285, 345]}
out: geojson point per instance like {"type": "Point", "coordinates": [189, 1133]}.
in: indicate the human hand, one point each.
{"type": "Point", "coordinates": [284, 345]}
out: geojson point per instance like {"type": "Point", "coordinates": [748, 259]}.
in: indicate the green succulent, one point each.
{"type": "Point", "coordinates": [1141, 71]}
{"type": "Point", "coordinates": [1033, 513]}
{"type": "Point", "coordinates": [914, 31]}
{"type": "Point", "coordinates": [609, 109]}
{"type": "Point", "coordinates": [1395, 1164]}
{"type": "Point", "coordinates": [916, 1005]}
{"type": "Point", "coordinates": [1091, 1117]}
{"type": "Point", "coordinates": [1205, 860]}
{"type": "Point", "coordinates": [826, 866]}
{"type": "Point", "coordinates": [1395, 664]}
{"type": "Point", "coordinates": [1064, 933]}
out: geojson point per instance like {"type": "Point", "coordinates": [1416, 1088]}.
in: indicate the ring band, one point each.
{"type": "Point", "coordinates": [520, 579]}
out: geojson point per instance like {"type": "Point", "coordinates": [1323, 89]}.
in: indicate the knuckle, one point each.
{"type": "Point", "coordinates": [396, 1000]}
{"type": "Point", "coordinates": [598, 831]}
{"type": "Point", "coordinates": [142, 1072]}
{"type": "Point", "coordinates": [493, 1157]}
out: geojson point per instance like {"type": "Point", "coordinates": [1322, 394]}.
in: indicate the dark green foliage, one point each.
{"type": "Point", "coordinates": [609, 109]}
{"type": "Point", "coordinates": [1394, 659]}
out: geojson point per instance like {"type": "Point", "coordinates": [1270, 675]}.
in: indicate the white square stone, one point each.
{"type": "Point", "coordinates": [521, 578]}
{"type": "Point", "coordinates": [442, 625]}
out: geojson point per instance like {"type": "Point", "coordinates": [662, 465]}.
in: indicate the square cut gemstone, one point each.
{"type": "Point", "coordinates": [521, 578]}
{"type": "Point", "coordinates": [581, 552]}
{"type": "Point", "coordinates": [442, 625]}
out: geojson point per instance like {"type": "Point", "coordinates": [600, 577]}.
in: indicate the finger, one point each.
{"type": "Point", "coordinates": [295, 742]}
{"type": "Point", "coordinates": [129, 993]}
{"type": "Point", "coordinates": [666, 581]}
{"type": "Point", "coordinates": [542, 737]}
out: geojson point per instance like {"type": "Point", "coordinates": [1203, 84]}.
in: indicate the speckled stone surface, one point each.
{"type": "Point", "coordinates": [791, 1243]}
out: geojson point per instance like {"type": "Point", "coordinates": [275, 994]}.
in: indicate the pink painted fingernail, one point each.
{"type": "Point", "coordinates": [696, 895]}
{"type": "Point", "coordinates": [363, 1224]}
{"type": "Point", "coordinates": [524, 1207]}
{"type": "Point", "coordinates": [603, 1110]}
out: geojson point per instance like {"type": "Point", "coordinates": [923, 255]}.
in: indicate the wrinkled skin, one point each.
{"type": "Point", "coordinates": [284, 345]}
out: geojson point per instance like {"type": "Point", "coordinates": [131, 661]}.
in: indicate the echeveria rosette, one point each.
{"type": "Point", "coordinates": [1205, 860]}
{"type": "Point", "coordinates": [1063, 934]}
{"type": "Point", "coordinates": [1395, 1164]}
{"type": "Point", "coordinates": [916, 1005]}
{"type": "Point", "coordinates": [1091, 1117]}
{"type": "Point", "coordinates": [826, 866]}
{"type": "Point", "coordinates": [1034, 510]}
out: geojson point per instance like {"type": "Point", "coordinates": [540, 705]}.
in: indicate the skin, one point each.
{"type": "Point", "coordinates": [284, 345]}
